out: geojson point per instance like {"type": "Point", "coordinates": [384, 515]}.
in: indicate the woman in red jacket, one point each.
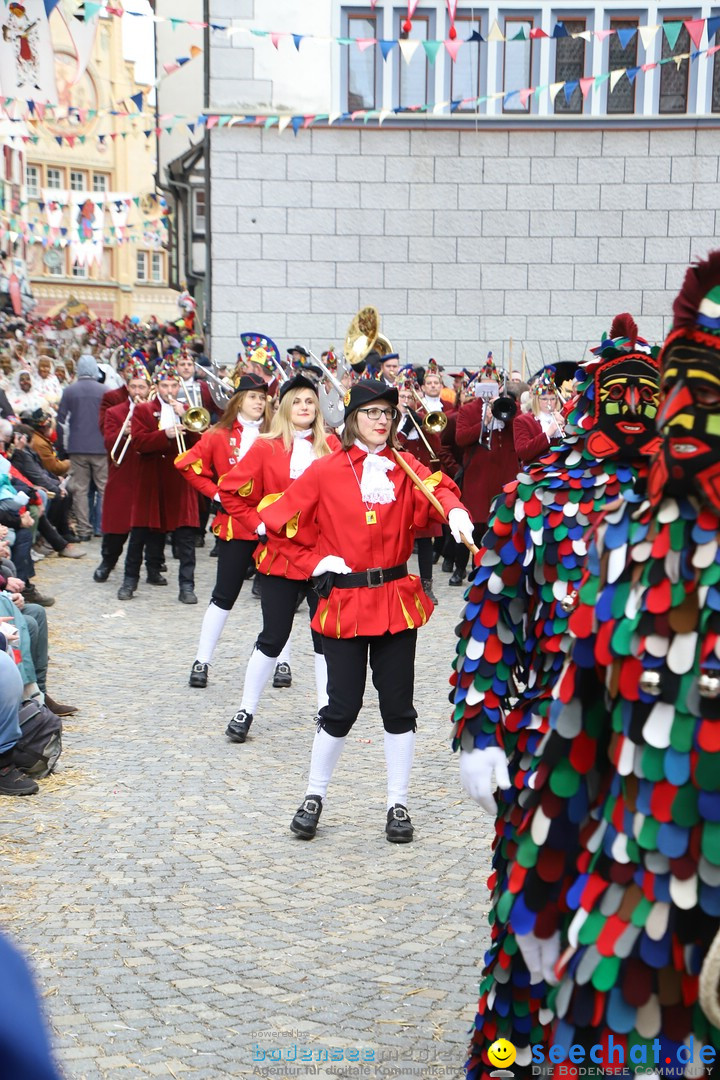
{"type": "Point", "coordinates": [541, 426]}
{"type": "Point", "coordinates": [296, 439]}
{"type": "Point", "coordinates": [221, 448]}
{"type": "Point", "coordinates": [353, 516]}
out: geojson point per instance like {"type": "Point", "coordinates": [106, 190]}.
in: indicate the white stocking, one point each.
{"type": "Point", "coordinates": [399, 751]}
{"type": "Point", "coordinates": [212, 627]}
{"type": "Point", "coordinates": [325, 753]}
{"type": "Point", "coordinates": [284, 657]}
{"type": "Point", "coordinates": [321, 680]}
{"type": "Point", "coordinates": [260, 668]}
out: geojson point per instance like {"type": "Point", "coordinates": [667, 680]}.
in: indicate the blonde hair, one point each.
{"type": "Point", "coordinates": [535, 402]}
{"type": "Point", "coordinates": [281, 427]}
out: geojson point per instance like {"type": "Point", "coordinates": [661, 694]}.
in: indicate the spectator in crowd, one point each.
{"type": "Point", "coordinates": [80, 408]}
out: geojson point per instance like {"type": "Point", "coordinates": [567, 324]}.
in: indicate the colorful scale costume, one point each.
{"type": "Point", "coordinates": [640, 700]}
{"type": "Point", "coordinates": [514, 632]}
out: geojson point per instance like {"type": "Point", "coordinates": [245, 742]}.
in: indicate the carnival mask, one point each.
{"type": "Point", "coordinates": [689, 422]}
{"type": "Point", "coordinates": [626, 402]}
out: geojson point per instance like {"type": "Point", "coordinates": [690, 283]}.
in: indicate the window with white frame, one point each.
{"type": "Point", "coordinates": [517, 63]}
{"type": "Point", "coordinates": [622, 56]}
{"type": "Point", "coordinates": [570, 66]}
{"type": "Point", "coordinates": [100, 182]}
{"type": "Point", "coordinates": [79, 271]}
{"type": "Point", "coordinates": [362, 66]}
{"type": "Point", "coordinates": [413, 75]}
{"type": "Point", "coordinates": [54, 178]}
{"type": "Point", "coordinates": [55, 262]}
{"type": "Point", "coordinates": [465, 72]}
{"type": "Point", "coordinates": [141, 266]}
{"type": "Point", "coordinates": [199, 219]}
{"type": "Point", "coordinates": [32, 180]}
{"type": "Point", "coordinates": [78, 180]}
{"type": "Point", "coordinates": [156, 266]}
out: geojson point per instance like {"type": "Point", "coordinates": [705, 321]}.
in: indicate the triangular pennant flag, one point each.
{"type": "Point", "coordinates": [345, 40]}
{"type": "Point", "coordinates": [520, 36]}
{"type": "Point", "coordinates": [270, 121]}
{"type": "Point", "coordinates": [453, 47]}
{"type": "Point", "coordinates": [710, 52]}
{"type": "Point", "coordinates": [384, 113]}
{"type": "Point", "coordinates": [713, 25]}
{"type": "Point", "coordinates": [632, 73]}
{"type": "Point", "coordinates": [283, 123]}
{"type": "Point", "coordinates": [137, 100]}
{"type": "Point", "coordinates": [91, 10]}
{"type": "Point", "coordinates": [600, 79]}
{"type": "Point", "coordinates": [495, 32]}
{"type": "Point", "coordinates": [570, 88]}
{"type": "Point", "coordinates": [509, 94]}
{"type": "Point", "coordinates": [183, 60]}
{"type": "Point", "coordinates": [386, 47]}
{"type": "Point", "coordinates": [554, 89]}
{"type": "Point", "coordinates": [431, 49]}
{"type": "Point", "coordinates": [333, 117]}
{"type": "Point", "coordinates": [408, 48]}
{"type": "Point", "coordinates": [649, 67]}
{"type": "Point", "coordinates": [647, 35]}
{"type": "Point", "coordinates": [672, 32]}
{"type": "Point", "coordinates": [476, 36]}
{"type": "Point", "coordinates": [31, 106]}
{"type": "Point", "coordinates": [584, 34]}
{"type": "Point", "coordinates": [586, 85]}
{"type": "Point", "coordinates": [275, 38]}
{"type": "Point", "coordinates": [626, 35]}
{"type": "Point", "coordinates": [191, 128]}
{"type": "Point", "coordinates": [695, 29]}
{"type": "Point", "coordinates": [297, 38]}
{"type": "Point", "coordinates": [195, 50]}
{"type": "Point", "coordinates": [58, 140]}
{"type": "Point", "coordinates": [524, 95]}
{"type": "Point", "coordinates": [602, 34]}
{"type": "Point", "coordinates": [170, 66]}
{"type": "Point", "coordinates": [296, 122]}
{"type": "Point", "coordinates": [537, 32]}
{"type": "Point", "coordinates": [365, 43]}
{"type": "Point", "coordinates": [560, 31]}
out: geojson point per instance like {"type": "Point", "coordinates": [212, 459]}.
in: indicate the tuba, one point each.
{"type": "Point", "coordinates": [361, 337]}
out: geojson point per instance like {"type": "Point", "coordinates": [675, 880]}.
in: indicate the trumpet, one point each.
{"type": "Point", "coordinates": [433, 422]}
{"type": "Point", "coordinates": [123, 434]}
{"type": "Point", "coordinates": [196, 419]}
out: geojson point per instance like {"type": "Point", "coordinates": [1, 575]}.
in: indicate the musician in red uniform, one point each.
{"type": "Point", "coordinates": [221, 448]}
{"type": "Point", "coordinates": [427, 448]}
{"type": "Point", "coordinates": [353, 516]}
{"type": "Point", "coordinates": [295, 441]}
{"type": "Point", "coordinates": [163, 502]}
{"type": "Point", "coordinates": [122, 475]}
{"type": "Point", "coordinates": [490, 462]}
{"type": "Point", "coordinates": [433, 388]}
{"type": "Point", "coordinates": [110, 398]}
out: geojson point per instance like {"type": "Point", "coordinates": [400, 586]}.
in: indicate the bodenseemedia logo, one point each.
{"type": "Point", "coordinates": [605, 1060]}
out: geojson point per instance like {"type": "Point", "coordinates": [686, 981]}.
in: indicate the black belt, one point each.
{"type": "Point", "coordinates": [370, 579]}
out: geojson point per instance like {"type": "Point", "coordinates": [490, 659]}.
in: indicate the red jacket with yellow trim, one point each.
{"type": "Point", "coordinates": [259, 479]}
{"type": "Point", "coordinates": [331, 519]}
{"type": "Point", "coordinates": [204, 465]}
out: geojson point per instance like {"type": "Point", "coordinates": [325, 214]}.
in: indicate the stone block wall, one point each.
{"type": "Point", "coordinates": [461, 239]}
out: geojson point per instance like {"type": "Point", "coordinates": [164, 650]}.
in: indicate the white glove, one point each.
{"type": "Point", "coordinates": [261, 530]}
{"type": "Point", "coordinates": [540, 956]}
{"type": "Point", "coordinates": [460, 522]}
{"type": "Point", "coordinates": [331, 564]}
{"type": "Point", "coordinates": [476, 772]}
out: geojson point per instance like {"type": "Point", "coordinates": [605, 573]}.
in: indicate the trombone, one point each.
{"type": "Point", "coordinates": [124, 433]}
{"type": "Point", "coordinates": [196, 419]}
{"type": "Point", "coordinates": [433, 422]}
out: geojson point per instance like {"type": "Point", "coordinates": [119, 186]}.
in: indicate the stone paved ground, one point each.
{"type": "Point", "coordinates": [173, 920]}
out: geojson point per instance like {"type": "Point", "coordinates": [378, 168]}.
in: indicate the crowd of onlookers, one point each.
{"type": "Point", "coordinates": [49, 506]}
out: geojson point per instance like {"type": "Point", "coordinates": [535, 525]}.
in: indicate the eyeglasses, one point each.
{"type": "Point", "coordinates": [375, 414]}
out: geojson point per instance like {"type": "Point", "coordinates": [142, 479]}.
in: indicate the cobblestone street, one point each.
{"type": "Point", "coordinates": [174, 922]}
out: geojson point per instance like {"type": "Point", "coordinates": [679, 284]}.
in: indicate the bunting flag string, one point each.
{"type": "Point", "coordinates": [148, 125]}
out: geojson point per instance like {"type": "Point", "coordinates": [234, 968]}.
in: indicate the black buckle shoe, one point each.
{"type": "Point", "coordinates": [305, 822]}
{"type": "Point", "coordinates": [103, 572]}
{"type": "Point", "coordinates": [239, 726]}
{"type": "Point", "coordinates": [399, 829]}
{"type": "Point", "coordinates": [186, 596]}
{"type": "Point", "coordinates": [154, 577]}
{"type": "Point", "coordinates": [282, 678]}
{"type": "Point", "coordinates": [457, 578]}
{"type": "Point", "coordinates": [199, 675]}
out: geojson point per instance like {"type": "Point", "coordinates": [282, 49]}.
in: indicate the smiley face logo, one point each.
{"type": "Point", "coordinates": [502, 1053]}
